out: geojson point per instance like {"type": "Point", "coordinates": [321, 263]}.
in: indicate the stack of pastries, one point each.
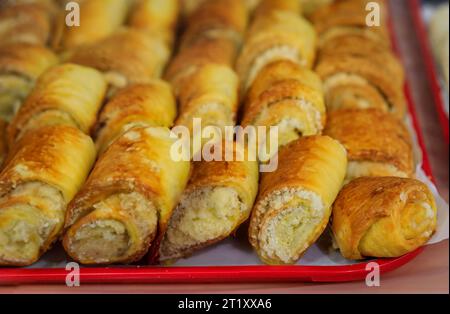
{"type": "Point", "coordinates": [88, 114]}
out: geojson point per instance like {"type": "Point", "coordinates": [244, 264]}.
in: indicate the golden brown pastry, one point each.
{"type": "Point", "coordinates": [378, 144]}
{"type": "Point", "coordinates": [43, 173]}
{"type": "Point", "coordinates": [127, 57]}
{"type": "Point", "coordinates": [98, 20]}
{"type": "Point", "coordinates": [29, 23]}
{"type": "Point", "coordinates": [310, 6]}
{"type": "Point", "coordinates": [20, 65]}
{"type": "Point", "coordinates": [349, 17]}
{"type": "Point", "coordinates": [268, 6]}
{"type": "Point", "coordinates": [221, 51]}
{"type": "Point", "coordinates": [156, 17]}
{"type": "Point", "coordinates": [150, 104]}
{"type": "Point", "coordinates": [212, 95]}
{"type": "Point", "coordinates": [66, 94]}
{"type": "Point", "coordinates": [216, 18]}
{"type": "Point", "coordinates": [3, 142]}
{"type": "Point", "coordinates": [287, 96]}
{"type": "Point", "coordinates": [383, 217]}
{"type": "Point", "coordinates": [360, 82]}
{"type": "Point", "coordinates": [276, 36]}
{"type": "Point", "coordinates": [294, 202]}
{"type": "Point", "coordinates": [218, 199]}
{"type": "Point", "coordinates": [127, 202]}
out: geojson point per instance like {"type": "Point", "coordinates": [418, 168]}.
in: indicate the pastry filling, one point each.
{"type": "Point", "coordinates": [292, 220]}
{"type": "Point", "coordinates": [269, 56]}
{"type": "Point", "coordinates": [203, 216]}
{"type": "Point", "coordinates": [358, 169]}
{"type": "Point", "coordinates": [115, 230]}
{"type": "Point", "coordinates": [31, 217]}
{"type": "Point", "coordinates": [13, 90]}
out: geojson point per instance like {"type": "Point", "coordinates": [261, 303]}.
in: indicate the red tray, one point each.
{"type": "Point", "coordinates": [430, 65]}
{"type": "Point", "coordinates": [149, 274]}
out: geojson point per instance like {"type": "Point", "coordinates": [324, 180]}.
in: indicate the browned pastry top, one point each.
{"type": "Point", "coordinates": [371, 135]}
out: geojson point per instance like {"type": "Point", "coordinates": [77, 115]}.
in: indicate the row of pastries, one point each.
{"type": "Point", "coordinates": [88, 146]}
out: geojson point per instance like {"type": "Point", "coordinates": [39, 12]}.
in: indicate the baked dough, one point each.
{"type": "Point", "coordinates": [268, 6]}
{"type": "Point", "coordinates": [279, 35]}
{"type": "Point", "coordinates": [378, 144]}
{"type": "Point", "coordinates": [218, 199]}
{"type": "Point", "coordinates": [126, 203]}
{"type": "Point", "coordinates": [138, 105]}
{"type": "Point", "coordinates": [383, 217]}
{"type": "Point", "coordinates": [128, 57]}
{"type": "Point", "coordinates": [66, 94]}
{"type": "Point", "coordinates": [43, 173]}
{"type": "Point", "coordinates": [20, 66]}
{"type": "Point", "coordinates": [287, 96]}
{"type": "Point", "coordinates": [294, 202]}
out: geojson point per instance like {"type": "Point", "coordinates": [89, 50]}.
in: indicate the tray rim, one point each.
{"type": "Point", "coordinates": [228, 274]}
{"type": "Point", "coordinates": [415, 7]}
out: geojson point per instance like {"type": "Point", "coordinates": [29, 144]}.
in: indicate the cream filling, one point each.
{"type": "Point", "coordinates": [204, 215]}
{"type": "Point", "coordinates": [289, 233]}
{"type": "Point", "coordinates": [269, 56]}
{"type": "Point", "coordinates": [13, 90]}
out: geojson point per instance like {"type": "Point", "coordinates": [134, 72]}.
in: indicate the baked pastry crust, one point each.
{"type": "Point", "coordinates": [66, 94]}
{"type": "Point", "coordinates": [218, 199]}
{"type": "Point", "coordinates": [351, 73]}
{"type": "Point", "coordinates": [135, 106]}
{"type": "Point", "coordinates": [373, 138]}
{"type": "Point", "coordinates": [127, 201]}
{"type": "Point", "coordinates": [383, 217]}
{"type": "Point", "coordinates": [42, 174]}
{"type": "Point", "coordinates": [127, 57]}
{"type": "Point", "coordinates": [294, 202]}
{"type": "Point", "coordinates": [20, 65]}
{"type": "Point", "coordinates": [268, 6]}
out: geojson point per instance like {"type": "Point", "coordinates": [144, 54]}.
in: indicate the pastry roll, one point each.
{"type": "Point", "coordinates": [218, 199]}
{"type": "Point", "coordinates": [126, 203]}
{"type": "Point", "coordinates": [221, 51]}
{"type": "Point", "coordinates": [216, 18]}
{"type": "Point", "coordinates": [276, 36]}
{"type": "Point", "coordinates": [310, 6]}
{"type": "Point", "coordinates": [294, 202]}
{"type": "Point", "coordinates": [20, 65]}
{"type": "Point", "coordinates": [360, 82]}
{"type": "Point", "coordinates": [3, 142]}
{"type": "Point", "coordinates": [268, 6]}
{"type": "Point", "coordinates": [98, 20]}
{"type": "Point", "coordinates": [287, 96]}
{"type": "Point", "coordinates": [212, 94]}
{"type": "Point", "coordinates": [137, 105]}
{"type": "Point", "coordinates": [156, 17]}
{"type": "Point", "coordinates": [44, 172]}
{"type": "Point", "coordinates": [383, 217]}
{"type": "Point", "coordinates": [349, 17]}
{"type": "Point", "coordinates": [66, 94]}
{"type": "Point", "coordinates": [378, 144]}
{"type": "Point", "coordinates": [29, 23]}
{"type": "Point", "coordinates": [127, 57]}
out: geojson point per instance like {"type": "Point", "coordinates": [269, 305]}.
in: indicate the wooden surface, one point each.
{"type": "Point", "coordinates": [428, 273]}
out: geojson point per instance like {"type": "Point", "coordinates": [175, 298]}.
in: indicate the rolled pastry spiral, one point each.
{"type": "Point", "coordinates": [218, 199]}
{"type": "Point", "coordinates": [127, 201]}
{"type": "Point", "coordinates": [211, 95]}
{"type": "Point", "coordinates": [378, 144]}
{"type": "Point", "coordinates": [129, 56]}
{"type": "Point", "coordinates": [138, 105]}
{"type": "Point", "coordinates": [279, 35]}
{"type": "Point", "coordinates": [288, 96]}
{"type": "Point", "coordinates": [66, 94]}
{"type": "Point", "coordinates": [26, 22]}
{"type": "Point", "coordinates": [43, 173]}
{"type": "Point", "coordinates": [359, 82]}
{"type": "Point", "coordinates": [383, 217]}
{"type": "Point", "coordinates": [20, 66]}
{"type": "Point", "coordinates": [98, 20]}
{"type": "Point", "coordinates": [156, 17]}
{"type": "Point", "coordinates": [294, 202]}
